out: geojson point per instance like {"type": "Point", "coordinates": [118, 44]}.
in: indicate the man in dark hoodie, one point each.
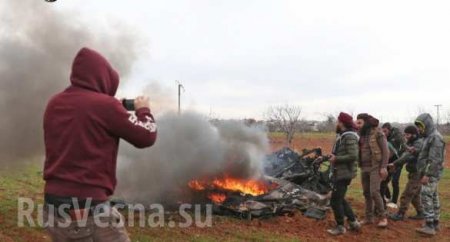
{"type": "Point", "coordinates": [82, 128]}
{"type": "Point", "coordinates": [411, 194]}
{"type": "Point", "coordinates": [374, 155]}
{"type": "Point", "coordinates": [395, 138]}
{"type": "Point", "coordinates": [430, 165]}
{"type": "Point", "coordinates": [343, 162]}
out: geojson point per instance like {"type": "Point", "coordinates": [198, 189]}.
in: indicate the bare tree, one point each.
{"type": "Point", "coordinates": [329, 124]}
{"type": "Point", "coordinates": [285, 119]}
{"type": "Point", "coordinates": [447, 117]}
{"type": "Point", "coordinates": [445, 126]}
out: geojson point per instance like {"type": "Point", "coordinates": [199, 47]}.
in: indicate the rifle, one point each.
{"type": "Point", "coordinates": [332, 169]}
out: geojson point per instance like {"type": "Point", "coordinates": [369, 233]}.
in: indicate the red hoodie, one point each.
{"type": "Point", "coordinates": [82, 127]}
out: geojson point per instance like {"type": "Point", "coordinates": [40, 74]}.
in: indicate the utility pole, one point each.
{"type": "Point", "coordinates": [438, 106]}
{"type": "Point", "coordinates": [180, 87]}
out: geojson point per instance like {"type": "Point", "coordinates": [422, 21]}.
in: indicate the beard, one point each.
{"type": "Point", "coordinates": [411, 139]}
{"type": "Point", "coordinates": [338, 129]}
{"type": "Point", "coordinates": [365, 129]}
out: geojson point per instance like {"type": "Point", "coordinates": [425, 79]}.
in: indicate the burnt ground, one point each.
{"type": "Point", "coordinates": [27, 183]}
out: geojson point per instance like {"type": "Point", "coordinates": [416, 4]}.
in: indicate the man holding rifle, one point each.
{"type": "Point", "coordinates": [343, 164]}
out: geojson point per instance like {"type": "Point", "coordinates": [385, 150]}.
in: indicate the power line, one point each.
{"type": "Point", "coordinates": [438, 106]}
{"type": "Point", "coordinates": [180, 87]}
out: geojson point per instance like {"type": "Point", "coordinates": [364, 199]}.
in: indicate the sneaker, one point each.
{"type": "Point", "coordinates": [427, 229]}
{"type": "Point", "coordinates": [367, 221]}
{"type": "Point", "coordinates": [397, 217]}
{"type": "Point", "coordinates": [338, 230]}
{"type": "Point", "coordinates": [392, 205]}
{"type": "Point", "coordinates": [383, 223]}
{"type": "Point", "coordinates": [418, 216]}
{"type": "Point", "coordinates": [355, 225]}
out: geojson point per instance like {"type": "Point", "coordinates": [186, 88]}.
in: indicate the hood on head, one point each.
{"type": "Point", "coordinates": [374, 122]}
{"type": "Point", "coordinates": [427, 121]}
{"type": "Point", "coordinates": [90, 70]}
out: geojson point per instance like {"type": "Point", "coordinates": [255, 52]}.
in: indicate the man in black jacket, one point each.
{"type": "Point", "coordinates": [411, 194]}
{"type": "Point", "coordinates": [395, 138]}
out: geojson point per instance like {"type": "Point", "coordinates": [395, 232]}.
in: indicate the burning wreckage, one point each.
{"type": "Point", "coordinates": [292, 182]}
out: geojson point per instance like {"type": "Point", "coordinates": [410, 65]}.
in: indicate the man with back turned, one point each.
{"type": "Point", "coordinates": [82, 128]}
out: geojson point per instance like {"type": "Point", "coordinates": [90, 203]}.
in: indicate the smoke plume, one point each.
{"type": "Point", "coordinates": [189, 147]}
{"type": "Point", "coordinates": [37, 46]}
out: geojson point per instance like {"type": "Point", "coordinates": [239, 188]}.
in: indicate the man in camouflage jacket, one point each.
{"type": "Point", "coordinates": [430, 165]}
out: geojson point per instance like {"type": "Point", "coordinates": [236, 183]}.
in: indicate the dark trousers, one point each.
{"type": "Point", "coordinates": [384, 189]}
{"type": "Point", "coordinates": [341, 208]}
{"type": "Point", "coordinates": [396, 184]}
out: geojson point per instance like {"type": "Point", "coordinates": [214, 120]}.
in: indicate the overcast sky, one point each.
{"type": "Point", "coordinates": [237, 57]}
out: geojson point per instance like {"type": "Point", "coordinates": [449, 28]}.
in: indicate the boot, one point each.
{"type": "Point", "coordinates": [427, 229]}
{"type": "Point", "coordinates": [437, 227]}
{"type": "Point", "coordinates": [418, 216]}
{"type": "Point", "coordinates": [355, 225]}
{"type": "Point", "coordinates": [397, 217]}
{"type": "Point", "coordinates": [338, 230]}
{"type": "Point", "coordinates": [383, 223]}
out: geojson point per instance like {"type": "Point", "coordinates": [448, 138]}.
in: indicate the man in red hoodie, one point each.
{"type": "Point", "coordinates": [82, 128]}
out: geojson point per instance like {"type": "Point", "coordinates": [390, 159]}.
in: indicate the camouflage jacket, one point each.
{"type": "Point", "coordinates": [432, 154]}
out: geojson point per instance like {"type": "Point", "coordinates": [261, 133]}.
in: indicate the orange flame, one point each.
{"type": "Point", "coordinates": [247, 186]}
{"type": "Point", "coordinates": [217, 197]}
{"type": "Point", "coordinates": [251, 187]}
{"type": "Point", "coordinates": [196, 185]}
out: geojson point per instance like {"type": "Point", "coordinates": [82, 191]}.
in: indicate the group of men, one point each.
{"type": "Point", "coordinates": [381, 153]}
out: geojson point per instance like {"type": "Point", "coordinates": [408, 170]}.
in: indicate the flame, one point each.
{"type": "Point", "coordinates": [252, 187]}
{"type": "Point", "coordinates": [196, 185]}
{"type": "Point", "coordinates": [217, 197]}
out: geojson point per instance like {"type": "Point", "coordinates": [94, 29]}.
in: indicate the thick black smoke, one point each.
{"type": "Point", "coordinates": [37, 45]}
